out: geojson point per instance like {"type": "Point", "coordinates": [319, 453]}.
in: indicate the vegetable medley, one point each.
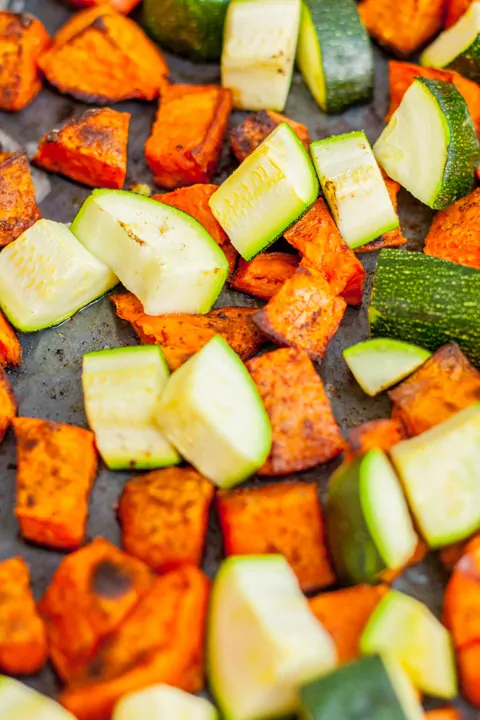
{"type": "Point", "coordinates": [301, 618]}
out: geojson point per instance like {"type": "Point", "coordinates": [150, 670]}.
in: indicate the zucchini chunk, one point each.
{"type": "Point", "coordinates": [266, 193]}
{"type": "Point", "coordinates": [161, 254]}
{"type": "Point", "coordinates": [458, 48]}
{"type": "Point", "coordinates": [354, 187]}
{"type": "Point", "coordinates": [263, 641]}
{"type": "Point", "coordinates": [46, 275]}
{"type": "Point", "coordinates": [440, 472]}
{"type": "Point", "coordinates": [373, 687]}
{"type": "Point", "coordinates": [335, 54]}
{"type": "Point", "coordinates": [368, 524]}
{"type": "Point", "coordinates": [122, 389]}
{"type": "Point", "coordinates": [212, 413]}
{"type": "Point", "coordinates": [404, 629]}
{"type": "Point", "coordinates": [259, 45]}
{"type": "Point", "coordinates": [165, 703]}
{"type": "Point", "coordinates": [19, 702]}
{"type": "Point", "coordinates": [429, 145]}
{"type": "Point", "coordinates": [380, 363]}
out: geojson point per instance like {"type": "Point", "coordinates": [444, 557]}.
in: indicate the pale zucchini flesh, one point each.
{"type": "Point", "coordinates": [267, 193]}
{"type": "Point", "coordinates": [354, 188]}
{"type": "Point", "coordinates": [46, 275]}
{"type": "Point", "coordinates": [19, 702]}
{"type": "Point", "coordinates": [260, 40]}
{"type": "Point", "coordinates": [162, 702]}
{"type": "Point", "coordinates": [161, 254]}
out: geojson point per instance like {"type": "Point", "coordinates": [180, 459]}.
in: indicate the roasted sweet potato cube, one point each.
{"type": "Point", "coordinates": [344, 613]}
{"type": "Point", "coordinates": [164, 517]}
{"type": "Point", "coordinates": [194, 201]}
{"type": "Point", "coordinates": [181, 335]}
{"type": "Point", "coordinates": [10, 348]}
{"type": "Point", "coordinates": [283, 518]}
{"type": "Point", "coordinates": [382, 434]}
{"type": "Point", "coordinates": [91, 149]}
{"type": "Point", "coordinates": [455, 10]}
{"type": "Point", "coordinates": [123, 6]}
{"type": "Point", "coordinates": [454, 234]}
{"type": "Point", "coordinates": [186, 141]}
{"type": "Point", "coordinates": [57, 465]}
{"type": "Point", "coordinates": [393, 238]}
{"type": "Point", "coordinates": [249, 134]}
{"type": "Point", "coordinates": [461, 611]}
{"type": "Point", "coordinates": [18, 204]}
{"type": "Point", "coordinates": [22, 40]}
{"type": "Point", "coordinates": [444, 385]}
{"type": "Point", "coordinates": [23, 638]}
{"type": "Point", "coordinates": [304, 430]}
{"type": "Point", "coordinates": [317, 238]}
{"type": "Point", "coordinates": [444, 714]}
{"type": "Point", "coordinates": [468, 661]}
{"type": "Point", "coordinates": [8, 404]}
{"type": "Point", "coordinates": [402, 27]}
{"type": "Point", "coordinates": [99, 585]}
{"type": "Point", "coordinates": [102, 57]}
{"type": "Point", "coordinates": [161, 641]}
{"type": "Point", "coordinates": [451, 554]}
{"type": "Point", "coordinates": [263, 276]}
{"type": "Point", "coordinates": [305, 313]}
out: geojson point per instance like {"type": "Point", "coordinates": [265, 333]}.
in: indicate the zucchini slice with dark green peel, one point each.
{"type": "Point", "coordinates": [334, 54]}
{"type": "Point", "coordinates": [429, 145]}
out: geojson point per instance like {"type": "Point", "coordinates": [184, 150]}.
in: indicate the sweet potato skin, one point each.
{"type": "Point", "coordinates": [304, 430]}
{"type": "Point", "coordinates": [444, 385]}
{"type": "Point", "coordinates": [8, 404]}
{"type": "Point", "coordinates": [99, 585]}
{"type": "Point", "coordinates": [317, 238]}
{"type": "Point", "coordinates": [382, 434]}
{"type": "Point", "coordinates": [249, 134]}
{"type": "Point", "coordinates": [304, 313]}
{"type": "Point", "coordinates": [57, 465]}
{"type": "Point", "coordinates": [161, 641]}
{"type": "Point", "coordinates": [344, 614]}
{"type": "Point", "coordinates": [10, 348]}
{"type": "Point", "coordinates": [91, 149]}
{"type": "Point", "coordinates": [393, 238]}
{"type": "Point", "coordinates": [263, 276]}
{"type": "Point", "coordinates": [164, 517]}
{"type": "Point", "coordinates": [194, 201]}
{"type": "Point", "coordinates": [123, 6]}
{"type": "Point", "coordinates": [23, 638]}
{"type": "Point", "coordinates": [117, 60]}
{"type": "Point", "coordinates": [182, 335]}
{"type": "Point", "coordinates": [283, 518]}
{"type": "Point", "coordinates": [186, 141]}
{"type": "Point", "coordinates": [18, 204]}
{"type": "Point", "coordinates": [455, 10]}
{"type": "Point", "coordinates": [454, 234]}
{"type": "Point", "coordinates": [22, 40]}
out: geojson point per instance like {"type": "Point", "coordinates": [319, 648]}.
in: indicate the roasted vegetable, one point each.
{"type": "Point", "coordinates": [8, 404]}
{"type": "Point", "coordinates": [455, 10]}
{"type": "Point", "coordinates": [393, 238]}
{"type": "Point", "coordinates": [101, 57]}
{"type": "Point", "coordinates": [18, 205]}
{"type": "Point", "coordinates": [10, 348]}
{"type": "Point", "coordinates": [17, 699]}
{"type": "Point", "coordinates": [304, 430]}
{"type": "Point", "coordinates": [451, 554]}
{"type": "Point", "coordinates": [57, 465]}
{"type": "Point", "coordinates": [444, 714]}
{"type": "Point", "coordinates": [186, 141]}
{"type": "Point", "coordinates": [91, 149]}
{"type": "Point", "coordinates": [382, 434]}
{"type": "Point", "coordinates": [249, 134]}
{"type": "Point", "coordinates": [163, 701]}
{"type": "Point", "coordinates": [455, 233]}
{"type": "Point", "coordinates": [283, 518]}
{"type": "Point", "coordinates": [164, 517]}
{"type": "Point", "coordinates": [263, 276]}
{"type": "Point", "coordinates": [123, 6]}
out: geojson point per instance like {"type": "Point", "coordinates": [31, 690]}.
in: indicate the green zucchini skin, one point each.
{"type": "Point", "coordinates": [468, 62]}
{"type": "Point", "coordinates": [463, 151]}
{"type": "Point", "coordinates": [426, 301]}
{"type": "Point", "coordinates": [193, 28]}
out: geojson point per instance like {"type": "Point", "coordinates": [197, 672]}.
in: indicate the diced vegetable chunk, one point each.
{"type": "Point", "coordinates": [393, 238]}
{"type": "Point", "coordinates": [163, 701]}
{"type": "Point", "coordinates": [18, 205]}
{"type": "Point", "coordinates": [455, 233]}
{"type": "Point", "coordinates": [249, 134]}
{"type": "Point", "coordinates": [18, 701]}
{"type": "Point", "coordinates": [10, 348]}
{"type": "Point", "coordinates": [8, 404]}
{"type": "Point", "coordinates": [382, 434]}
{"type": "Point", "coordinates": [263, 276]}
{"type": "Point", "coordinates": [123, 6]}
{"type": "Point", "coordinates": [444, 714]}
{"type": "Point", "coordinates": [455, 10]}
{"type": "Point", "coordinates": [461, 610]}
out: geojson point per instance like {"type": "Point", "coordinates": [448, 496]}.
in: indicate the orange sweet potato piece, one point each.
{"type": "Point", "coordinates": [468, 661]}
{"type": "Point", "coordinates": [444, 385]}
{"type": "Point", "coordinates": [263, 276]}
{"type": "Point", "coordinates": [194, 201]}
{"type": "Point", "coordinates": [451, 554]}
{"type": "Point", "coordinates": [304, 430]}
{"type": "Point", "coordinates": [402, 27]}
{"type": "Point", "coordinates": [23, 638]}
{"type": "Point", "coordinates": [8, 404]}
{"type": "Point", "coordinates": [10, 348]}
{"type": "Point", "coordinates": [393, 238]}
{"type": "Point", "coordinates": [186, 141]}
{"type": "Point", "coordinates": [382, 434]}
{"type": "Point", "coordinates": [344, 613]}
{"type": "Point", "coordinates": [444, 714]}
{"type": "Point", "coordinates": [91, 149]}
{"type": "Point", "coordinates": [57, 465]}
{"type": "Point", "coordinates": [164, 517]}
{"type": "Point", "coordinates": [305, 313]}
{"type": "Point", "coordinates": [123, 6]}
{"type": "Point", "coordinates": [317, 238]}
{"type": "Point", "coordinates": [455, 232]}
{"type": "Point", "coordinates": [461, 612]}
{"type": "Point", "coordinates": [181, 335]}
{"type": "Point", "coordinates": [455, 10]}
{"type": "Point", "coordinates": [161, 641]}
{"type": "Point", "coordinates": [18, 204]}
{"type": "Point", "coordinates": [22, 39]}
{"type": "Point", "coordinates": [249, 134]}
{"type": "Point", "coordinates": [103, 57]}
{"type": "Point", "coordinates": [98, 585]}
{"type": "Point", "coordinates": [283, 518]}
